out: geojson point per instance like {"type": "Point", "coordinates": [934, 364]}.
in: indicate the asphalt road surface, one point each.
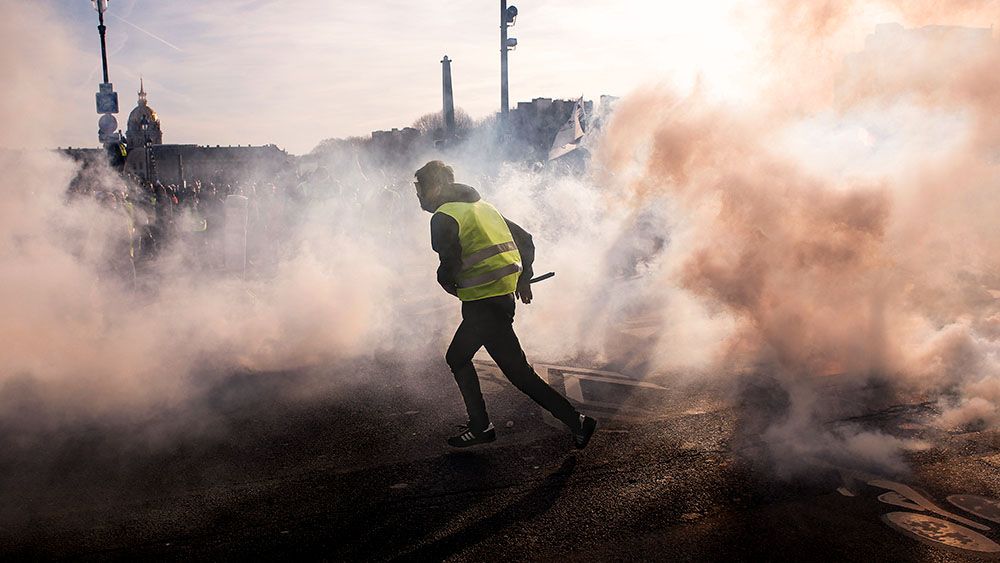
{"type": "Point", "coordinates": [290, 466]}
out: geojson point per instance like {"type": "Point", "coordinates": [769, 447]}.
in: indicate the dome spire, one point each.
{"type": "Point", "coordinates": [143, 124]}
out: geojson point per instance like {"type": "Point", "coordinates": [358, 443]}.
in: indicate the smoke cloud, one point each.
{"type": "Point", "coordinates": [840, 223]}
{"type": "Point", "coordinates": [887, 271]}
{"type": "Point", "coordinates": [79, 344]}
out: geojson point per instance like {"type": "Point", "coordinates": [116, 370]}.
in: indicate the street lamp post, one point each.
{"type": "Point", "coordinates": [507, 16]}
{"type": "Point", "coordinates": [107, 98]}
{"type": "Point", "coordinates": [101, 6]}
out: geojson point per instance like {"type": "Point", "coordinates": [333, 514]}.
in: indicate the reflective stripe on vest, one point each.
{"type": "Point", "coordinates": [480, 255]}
{"type": "Point", "coordinates": [490, 276]}
{"type": "Point", "coordinates": [491, 263]}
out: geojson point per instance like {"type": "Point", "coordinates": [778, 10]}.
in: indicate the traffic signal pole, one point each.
{"type": "Point", "coordinates": [504, 98]}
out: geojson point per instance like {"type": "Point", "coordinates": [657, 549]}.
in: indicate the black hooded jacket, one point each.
{"type": "Point", "coordinates": [444, 239]}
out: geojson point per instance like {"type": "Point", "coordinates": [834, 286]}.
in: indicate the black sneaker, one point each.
{"type": "Point", "coordinates": [582, 435]}
{"type": "Point", "coordinates": [470, 438]}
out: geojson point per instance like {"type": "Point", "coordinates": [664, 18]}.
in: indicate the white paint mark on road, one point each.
{"type": "Point", "coordinates": [571, 379]}
{"type": "Point", "coordinates": [908, 493]}
{"type": "Point", "coordinates": [941, 532]}
{"type": "Point", "coordinates": [899, 500]}
{"type": "Point", "coordinates": [985, 508]}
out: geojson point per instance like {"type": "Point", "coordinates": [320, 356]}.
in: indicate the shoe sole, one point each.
{"type": "Point", "coordinates": [476, 442]}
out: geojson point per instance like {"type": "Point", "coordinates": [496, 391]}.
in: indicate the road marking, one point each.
{"type": "Point", "coordinates": [570, 380]}
{"type": "Point", "coordinates": [910, 494]}
{"type": "Point", "coordinates": [896, 499]}
{"type": "Point", "coordinates": [985, 508]}
{"type": "Point", "coordinates": [929, 528]}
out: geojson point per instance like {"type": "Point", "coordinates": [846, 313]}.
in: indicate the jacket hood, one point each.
{"type": "Point", "coordinates": [458, 193]}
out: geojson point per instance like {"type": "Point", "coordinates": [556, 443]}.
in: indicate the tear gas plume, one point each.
{"type": "Point", "coordinates": [841, 224]}
{"type": "Point", "coordinates": [79, 344]}
{"type": "Point", "coordinates": [889, 271]}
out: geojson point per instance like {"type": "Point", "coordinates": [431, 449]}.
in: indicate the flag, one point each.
{"type": "Point", "coordinates": [568, 138]}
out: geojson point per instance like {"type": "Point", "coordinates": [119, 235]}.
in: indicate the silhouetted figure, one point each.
{"type": "Point", "coordinates": [485, 261]}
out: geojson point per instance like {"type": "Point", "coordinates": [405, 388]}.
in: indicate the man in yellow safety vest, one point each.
{"type": "Point", "coordinates": [485, 260]}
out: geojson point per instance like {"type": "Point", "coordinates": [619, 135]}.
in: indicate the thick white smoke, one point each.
{"type": "Point", "coordinates": [79, 342]}
{"type": "Point", "coordinates": [744, 239]}
{"type": "Point", "coordinates": [871, 253]}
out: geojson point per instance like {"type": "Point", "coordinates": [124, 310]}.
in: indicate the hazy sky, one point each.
{"type": "Point", "coordinates": [296, 72]}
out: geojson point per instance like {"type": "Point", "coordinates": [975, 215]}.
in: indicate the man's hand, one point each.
{"type": "Point", "coordinates": [523, 291]}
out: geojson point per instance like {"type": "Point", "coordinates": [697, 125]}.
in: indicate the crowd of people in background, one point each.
{"type": "Point", "coordinates": [188, 221]}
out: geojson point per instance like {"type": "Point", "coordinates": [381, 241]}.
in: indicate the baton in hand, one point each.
{"type": "Point", "coordinates": [542, 277]}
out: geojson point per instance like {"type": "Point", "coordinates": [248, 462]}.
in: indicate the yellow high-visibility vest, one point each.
{"type": "Point", "coordinates": [491, 263]}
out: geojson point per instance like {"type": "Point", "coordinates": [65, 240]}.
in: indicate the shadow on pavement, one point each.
{"type": "Point", "coordinates": [532, 504]}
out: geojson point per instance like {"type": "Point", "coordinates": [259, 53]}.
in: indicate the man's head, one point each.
{"type": "Point", "coordinates": [432, 178]}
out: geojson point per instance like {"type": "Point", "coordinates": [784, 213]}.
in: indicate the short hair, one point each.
{"type": "Point", "coordinates": [435, 173]}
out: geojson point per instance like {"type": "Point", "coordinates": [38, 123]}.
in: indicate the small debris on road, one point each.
{"type": "Point", "coordinates": [690, 516]}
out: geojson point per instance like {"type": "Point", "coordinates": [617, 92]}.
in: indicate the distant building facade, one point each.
{"type": "Point", "coordinates": [151, 160]}
{"type": "Point", "coordinates": [532, 128]}
{"type": "Point", "coordinates": [176, 164]}
{"type": "Point", "coordinates": [395, 140]}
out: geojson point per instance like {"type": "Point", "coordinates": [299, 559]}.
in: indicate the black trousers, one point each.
{"type": "Point", "coordinates": [489, 322]}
